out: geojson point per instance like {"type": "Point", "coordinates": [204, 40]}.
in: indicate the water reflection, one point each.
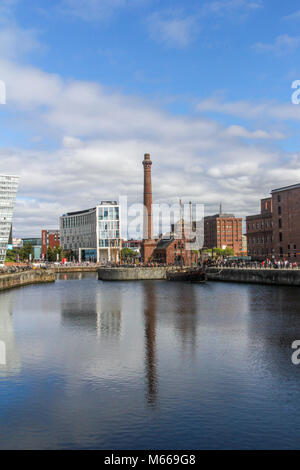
{"type": "Point", "coordinates": [122, 348]}
{"type": "Point", "coordinates": [9, 356]}
{"type": "Point", "coordinates": [96, 312]}
{"type": "Point", "coordinates": [186, 315]}
{"type": "Point", "coordinates": [273, 325]}
{"type": "Point", "coordinates": [109, 316]}
{"type": "Point", "coordinates": [150, 341]}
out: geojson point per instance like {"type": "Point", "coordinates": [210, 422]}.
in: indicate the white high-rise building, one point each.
{"type": "Point", "coordinates": [8, 192]}
{"type": "Point", "coordinates": [93, 234]}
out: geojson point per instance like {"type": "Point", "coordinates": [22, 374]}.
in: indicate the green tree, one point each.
{"type": "Point", "coordinates": [26, 251]}
{"type": "Point", "coordinates": [50, 254]}
{"type": "Point", "coordinates": [11, 256]}
{"type": "Point", "coordinates": [228, 252]}
{"type": "Point", "coordinates": [58, 251]}
{"type": "Point", "coordinates": [127, 253]}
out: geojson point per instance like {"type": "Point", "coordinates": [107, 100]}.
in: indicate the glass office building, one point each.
{"type": "Point", "coordinates": [8, 192]}
{"type": "Point", "coordinates": [93, 234]}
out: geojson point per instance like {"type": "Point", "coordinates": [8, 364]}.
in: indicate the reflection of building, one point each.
{"type": "Point", "coordinates": [99, 312]}
{"type": "Point", "coordinates": [260, 231]}
{"type": "Point", "coordinates": [9, 361]}
{"type": "Point", "coordinates": [8, 191]}
{"type": "Point", "coordinates": [223, 231]}
{"type": "Point", "coordinates": [93, 234]}
{"type": "Point", "coordinates": [50, 239]}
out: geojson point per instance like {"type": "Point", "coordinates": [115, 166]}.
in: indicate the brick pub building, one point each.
{"type": "Point", "coordinates": [223, 231]}
{"type": "Point", "coordinates": [275, 232]}
{"type": "Point", "coordinates": [169, 250]}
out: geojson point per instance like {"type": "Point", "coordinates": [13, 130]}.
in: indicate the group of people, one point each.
{"type": "Point", "coordinates": [267, 264]}
{"type": "Point", "coordinates": [14, 269]}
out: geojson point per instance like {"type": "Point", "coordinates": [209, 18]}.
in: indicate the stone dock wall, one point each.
{"type": "Point", "coordinates": [276, 277]}
{"type": "Point", "coordinates": [132, 274]}
{"type": "Point", "coordinates": [9, 281]}
{"type": "Point", "coordinates": [75, 269]}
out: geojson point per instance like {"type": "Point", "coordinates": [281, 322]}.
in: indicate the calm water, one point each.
{"type": "Point", "coordinates": [149, 365]}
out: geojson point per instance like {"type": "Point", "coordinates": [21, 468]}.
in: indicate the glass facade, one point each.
{"type": "Point", "coordinates": [109, 226]}
{"type": "Point", "coordinates": [94, 229]}
{"type": "Point", "coordinates": [8, 191]}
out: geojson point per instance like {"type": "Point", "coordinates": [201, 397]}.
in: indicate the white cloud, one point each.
{"type": "Point", "coordinates": [172, 29]}
{"type": "Point", "coordinates": [229, 7]}
{"type": "Point", "coordinates": [283, 44]}
{"type": "Point", "coordinates": [16, 42]}
{"type": "Point", "coordinates": [240, 131]}
{"type": "Point", "coordinates": [103, 138]}
{"type": "Point", "coordinates": [271, 110]}
{"type": "Point", "coordinates": [293, 16]}
{"type": "Point", "coordinates": [94, 10]}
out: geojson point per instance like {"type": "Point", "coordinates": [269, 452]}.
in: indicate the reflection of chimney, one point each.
{"type": "Point", "coordinates": [147, 198]}
{"type": "Point", "coordinates": [150, 342]}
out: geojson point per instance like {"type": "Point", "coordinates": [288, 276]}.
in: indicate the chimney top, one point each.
{"type": "Point", "coordinates": [147, 156]}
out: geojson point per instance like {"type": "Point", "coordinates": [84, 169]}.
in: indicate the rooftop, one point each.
{"type": "Point", "coordinates": [286, 188]}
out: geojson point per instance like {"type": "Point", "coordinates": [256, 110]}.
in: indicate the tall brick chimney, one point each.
{"type": "Point", "coordinates": [148, 227]}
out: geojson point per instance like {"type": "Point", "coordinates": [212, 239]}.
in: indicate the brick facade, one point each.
{"type": "Point", "coordinates": [50, 238]}
{"type": "Point", "coordinates": [223, 230]}
{"type": "Point", "coordinates": [260, 232]}
{"type": "Point", "coordinates": [286, 219]}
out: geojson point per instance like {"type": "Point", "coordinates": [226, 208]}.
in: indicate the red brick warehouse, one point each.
{"type": "Point", "coordinates": [50, 239]}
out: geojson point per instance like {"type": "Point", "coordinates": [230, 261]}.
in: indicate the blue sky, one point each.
{"type": "Point", "coordinates": [204, 86]}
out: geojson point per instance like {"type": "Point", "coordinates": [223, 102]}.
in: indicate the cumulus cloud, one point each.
{"type": "Point", "coordinates": [172, 28]}
{"type": "Point", "coordinates": [240, 131]}
{"type": "Point", "coordinates": [293, 16]}
{"type": "Point", "coordinates": [103, 138]}
{"type": "Point", "coordinates": [283, 44]}
{"type": "Point", "coordinates": [94, 10]}
{"type": "Point", "coordinates": [270, 110]}
{"type": "Point", "coordinates": [225, 7]}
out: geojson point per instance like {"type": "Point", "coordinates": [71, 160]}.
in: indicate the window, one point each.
{"type": "Point", "coordinates": [280, 223]}
{"type": "Point", "coordinates": [295, 247]}
{"type": "Point", "coordinates": [278, 198]}
{"type": "Point", "coordinates": [280, 236]}
{"type": "Point", "coordinates": [279, 210]}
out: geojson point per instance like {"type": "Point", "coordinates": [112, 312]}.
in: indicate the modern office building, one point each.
{"type": "Point", "coordinates": [8, 192]}
{"type": "Point", "coordinates": [93, 234]}
{"type": "Point", "coordinates": [223, 231]}
{"type": "Point", "coordinates": [50, 239]}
